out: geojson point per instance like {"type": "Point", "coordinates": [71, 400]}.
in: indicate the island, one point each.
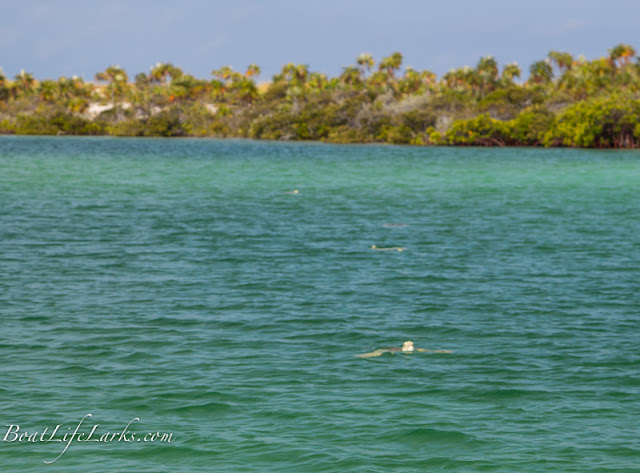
{"type": "Point", "coordinates": [564, 102]}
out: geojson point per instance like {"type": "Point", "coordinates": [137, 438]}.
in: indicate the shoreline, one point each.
{"type": "Point", "coordinates": [312, 142]}
{"type": "Point", "coordinates": [565, 102]}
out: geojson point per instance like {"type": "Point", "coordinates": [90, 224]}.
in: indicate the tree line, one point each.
{"type": "Point", "coordinates": [565, 101]}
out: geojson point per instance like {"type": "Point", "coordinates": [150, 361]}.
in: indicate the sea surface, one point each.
{"type": "Point", "coordinates": [186, 284]}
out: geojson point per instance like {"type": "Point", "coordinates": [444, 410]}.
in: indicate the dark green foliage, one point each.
{"type": "Point", "coordinates": [126, 128]}
{"type": "Point", "coordinates": [34, 125]}
{"type": "Point", "coordinates": [165, 123]}
{"type": "Point", "coordinates": [479, 131]}
{"type": "Point", "coordinates": [59, 123]}
{"type": "Point", "coordinates": [345, 134]}
{"type": "Point", "coordinates": [396, 134]}
{"type": "Point", "coordinates": [506, 103]}
{"type": "Point", "coordinates": [530, 126]}
{"type": "Point", "coordinates": [310, 119]}
{"type": "Point", "coordinates": [420, 119]}
{"type": "Point", "coordinates": [7, 127]}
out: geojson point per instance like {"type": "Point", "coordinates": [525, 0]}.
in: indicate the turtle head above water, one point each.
{"type": "Point", "coordinates": [407, 346]}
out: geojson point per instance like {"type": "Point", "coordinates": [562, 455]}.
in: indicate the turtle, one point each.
{"type": "Point", "coordinates": [407, 347]}
{"type": "Point", "coordinates": [391, 248]}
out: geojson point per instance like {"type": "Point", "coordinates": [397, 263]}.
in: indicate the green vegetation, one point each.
{"type": "Point", "coordinates": [564, 102]}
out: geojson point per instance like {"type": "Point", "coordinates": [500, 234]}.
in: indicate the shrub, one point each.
{"type": "Point", "coordinates": [480, 131]}
{"type": "Point", "coordinates": [7, 127]}
{"type": "Point", "coordinates": [165, 123]}
{"type": "Point", "coordinates": [396, 134]}
{"type": "Point", "coordinates": [530, 126]}
{"type": "Point", "coordinates": [31, 125]}
{"type": "Point", "coordinates": [609, 122]}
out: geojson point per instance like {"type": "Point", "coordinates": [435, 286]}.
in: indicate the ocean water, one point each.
{"type": "Point", "coordinates": [183, 283]}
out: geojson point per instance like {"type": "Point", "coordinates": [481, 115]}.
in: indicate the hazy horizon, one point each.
{"type": "Point", "coordinates": [73, 37]}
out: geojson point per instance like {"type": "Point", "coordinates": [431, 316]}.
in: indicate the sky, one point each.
{"type": "Point", "coordinates": [81, 37]}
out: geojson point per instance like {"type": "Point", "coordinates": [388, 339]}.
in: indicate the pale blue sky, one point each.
{"type": "Point", "coordinates": [66, 37]}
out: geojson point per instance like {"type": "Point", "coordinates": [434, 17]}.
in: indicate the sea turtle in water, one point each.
{"type": "Point", "coordinates": [407, 347]}
{"type": "Point", "coordinates": [392, 248]}
{"type": "Point", "coordinates": [399, 225]}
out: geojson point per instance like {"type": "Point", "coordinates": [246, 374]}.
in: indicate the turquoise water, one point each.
{"type": "Point", "coordinates": [178, 282]}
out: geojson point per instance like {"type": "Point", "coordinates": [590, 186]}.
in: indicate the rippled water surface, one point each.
{"type": "Point", "coordinates": [185, 283]}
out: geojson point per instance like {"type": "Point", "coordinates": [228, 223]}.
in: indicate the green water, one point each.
{"type": "Point", "coordinates": [178, 282]}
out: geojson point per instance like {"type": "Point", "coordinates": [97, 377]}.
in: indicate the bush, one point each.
{"type": "Point", "coordinates": [609, 122]}
{"type": "Point", "coordinates": [506, 103]}
{"type": "Point", "coordinates": [7, 127]}
{"type": "Point", "coordinates": [346, 134]}
{"type": "Point", "coordinates": [419, 120]}
{"type": "Point", "coordinates": [531, 125]}
{"type": "Point", "coordinates": [126, 128]}
{"type": "Point", "coordinates": [479, 131]}
{"type": "Point", "coordinates": [165, 123]}
{"type": "Point", "coordinates": [435, 137]}
{"type": "Point", "coordinates": [34, 125]}
{"type": "Point", "coordinates": [396, 134]}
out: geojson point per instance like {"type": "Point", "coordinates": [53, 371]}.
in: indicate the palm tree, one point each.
{"type": "Point", "coordinates": [414, 82]}
{"type": "Point", "coordinates": [26, 82]}
{"type": "Point", "coordinates": [252, 70]}
{"type": "Point", "coordinates": [621, 54]}
{"type": "Point", "coordinates": [162, 71]}
{"type": "Point", "coordinates": [80, 87]}
{"type": "Point", "coordinates": [366, 62]}
{"type": "Point", "coordinates": [247, 90]}
{"type": "Point", "coordinates": [461, 79]}
{"type": "Point", "coordinates": [296, 76]}
{"type": "Point", "coordinates": [218, 89]}
{"type": "Point", "coordinates": [318, 82]}
{"type": "Point", "coordinates": [351, 76]}
{"type": "Point", "coordinates": [488, 67]}
{"type": "Point", "coordinates": [564, 61]}
{"type": "Point", "coordinates": [142, 80]}
{"type": "Point", "coordinates": [230, 82]}
{"type": "Point", "coordinates": [117, 80]}
{"type": "Point", "coordinates": [379, 81]}
{"type": "Point", "coordinates": [598, 74]}
{"type": "Point", "coordinates": [47, 89]}
{"type": "Point", "coordinates": [224, 80]}
{"type": "Point", "coordinates": [159, 73]}
{"type": "Point", "coordinates": [224, 73]}
{"type": "Point", "coordinates": [510, 71]}
{"type": "Point", "coordinates": [391, 64]}
{"type": "Point", "coordinates": [68, 88]}
{"type": "Point", "coordinates": [187, 87]}
{"type": "Point", "coordinates": [540, 72]}
{"type": "Point", "coordinates": [4, 93]}
{"type": "Point", "coordinates": [301, 73]}
{"type": "Point", "coordinates": [487, 74]}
